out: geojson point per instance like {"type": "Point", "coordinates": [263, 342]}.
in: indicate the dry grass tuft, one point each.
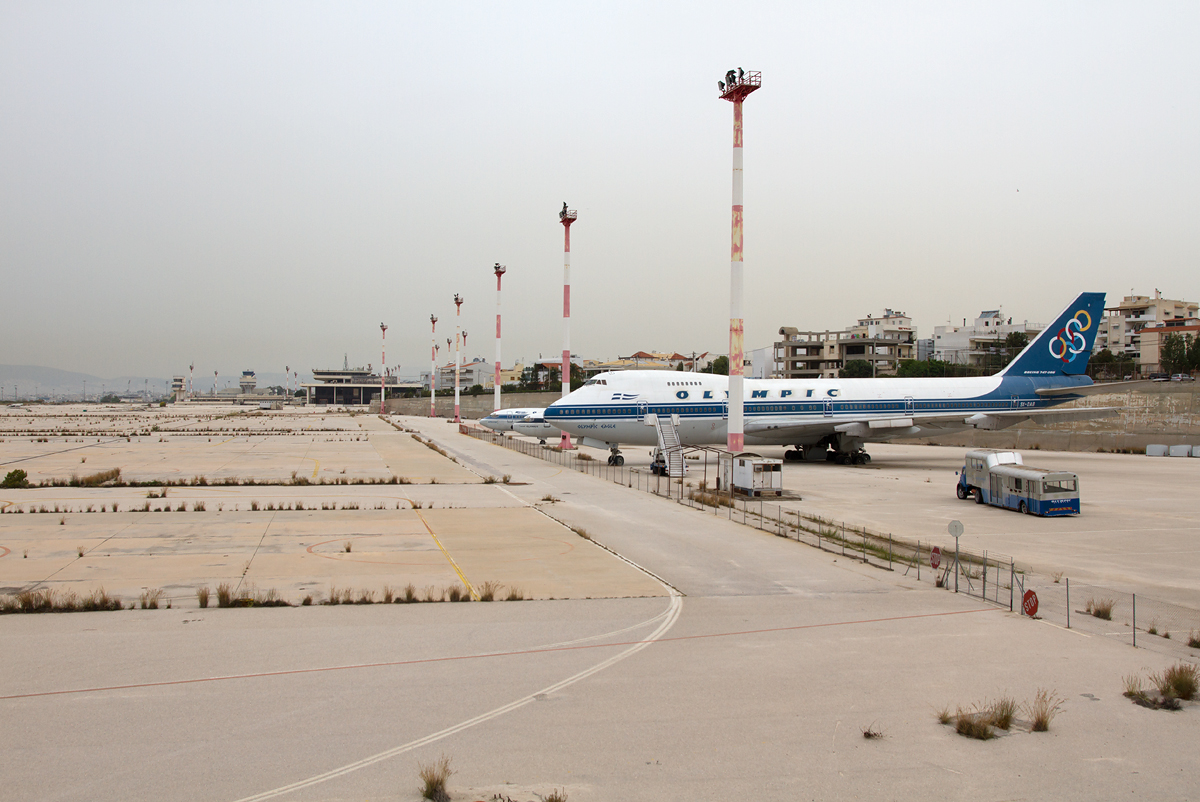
{"type": "Point", "coordinates": [557, 795]}
{"type": "Point", "coordinates": [973, 725]}
{"type": "Point", "coordinates": [1042, 710]}
{"type": "Point", "coordinates": [1101, 608]}
{"type": "Point", "coordinates": [433, 779]}
{"type": "Point", "coordinates": [454, 592]}
{"type": "Point", "coordinates": [389, 595]}
{"type": "Point", "coordinates": [224, 595]}
{"type": "Point", "coordinates": [515, 594]}
{"type": "Point", "coordinates": [1179, 681]}
{"type": "Point", "coordinates": [1002, 711]}
{"type": "Point", "coordinates": [943, 715]}
{"type": "Point", "coordinates": [410, 593]}
{"type": "Point", "coordinates": [150, 598]}
{"type": "Point", "coordinates": [488, 591]}
{"type": "Point", "coordinates": [348, 545]}
{"type": "Point", "coordinates": [1194, 640]}
{"type": "Point", "coordinates": [202, 596]}
{"type": "Point", "coordinates": [870, 733]}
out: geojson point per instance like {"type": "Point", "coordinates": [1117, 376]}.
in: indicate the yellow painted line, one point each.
{"type": "Point", "coordinates": [316, 465]}
{"type": "Point", "coordinates": [446, 554]}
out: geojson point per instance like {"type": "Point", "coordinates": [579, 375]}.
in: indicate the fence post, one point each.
{"type": "Point", "coordinates": [985, 567]}
{"type": "Point", "coordinates": [918, 561]}
{"type": "Point", "coordinates": [1012, 582]}
{"type": "Point", "coordinates": [889, 551]}
{"type": "Point", "coordinates": [843, 538]}
{"type": "Point", "coordinates": [1135, 620]}
{"type": "Point", "coordinates": [1068, 602]}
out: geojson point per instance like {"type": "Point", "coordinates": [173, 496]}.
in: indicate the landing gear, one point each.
{"type": "Point", "coordinates": [795, 455]}
{"type": "Point", "coordinates": [858, 457]}
{"type": "Point", "coordinates": [615, 458]}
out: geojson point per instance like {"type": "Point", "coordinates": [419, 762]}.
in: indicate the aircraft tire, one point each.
{"type": "Point", "coordinates": [858, 459]}
{"type": "Point", "coordinates": [618, 460]}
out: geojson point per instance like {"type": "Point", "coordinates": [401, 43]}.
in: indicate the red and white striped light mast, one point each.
{"type": "Point", "coordinates": [433, 349]}
{"type": "Point", "coordinates": [287, 383]}
{"type": "Point", "coordinates": [458, 301]}
{"type": "Point", "coordinates": [382, 365]}
{"type": "Point", "coordinates": [736, 87]}
{"type": "Point", "coordinates": [566, 217]}
{"type": "Point", "coordinates": [499, 270]}
{"type": "Point", "coordinates": [191, 375]}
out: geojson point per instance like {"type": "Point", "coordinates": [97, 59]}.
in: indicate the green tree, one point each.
{"type": "Point", "coordinates": [1173, 355]}
{"type": "Point", "coordinates": [17, 478]}
{"type": "Point", "coordinates": [855, 369]}
{"type": "Point", "coordinates": [1193, 352]}
{"type": "Point", "coordinates": [720, 365]}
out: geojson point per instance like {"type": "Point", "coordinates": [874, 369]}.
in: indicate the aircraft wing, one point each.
{"type": "Point", "coordinates": [1098, 389]}
{"type": "Point", "coordinates": [880, 429]}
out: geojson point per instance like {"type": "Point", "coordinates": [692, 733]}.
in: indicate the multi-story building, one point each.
{"type": "Point", "coordinates": [1122, 326]}
{"type": "Point", "coordinates": [880, 341]}
{"type": "Point", "coordinates": [980, 342]}
{"type": "Point", "coordinates": [1152, 337]}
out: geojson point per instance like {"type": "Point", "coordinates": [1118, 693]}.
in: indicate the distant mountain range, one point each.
{"type": "Point", "coordinates": [35, 381]}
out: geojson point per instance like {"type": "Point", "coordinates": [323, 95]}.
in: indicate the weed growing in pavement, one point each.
{"type": "Point", "coordinates": [550, 498]}
{"type": "Point", "coordinates": [389, 595]}
{"type": "Point", "coordinates": [1001, 712]}
{"type": "Point", "coordinates": [1042, 710]}
{"type": "Point", "coordinates": [1180, 681]}
{"type": "Point", "coordinates": [557, 795]}
{"type": "Point", "coordinates": [433, 779]}
{"type": "Point", "coordinates": [1194, 640]}
{"type": "Point", "coordinates": [454, 593]}
{"type": "Point", "coordinates": [870, 733]}
{"type": "Point", "coordinates": [1101, 608]}
{"type": "Point", "coordinates": [515, 594]}
{"type": "Point", "coordinates": [224, 595]}
{"type": "Point", "coordinates": [150, 598]}
{"type": "Point", "coordinates": [487, 592]}
{"type": "Point", "coordinates": [410, 593]}
{"type": "Point", "coordinates": [943, 715]}
{"type": "Point", "coordinates": [202, 596]}
{"type": "Point", "coordinates": [348, 545]}
{"type": "Point", "coordinates": [973, 725]}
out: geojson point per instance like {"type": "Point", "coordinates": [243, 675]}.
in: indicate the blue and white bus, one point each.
{"type": "Point", "coordinates": [1000, 479]}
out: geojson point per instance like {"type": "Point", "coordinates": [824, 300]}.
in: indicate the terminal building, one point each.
{"type": "Point", "coordinates": [353, 387]}
{"type": "Point", "coordinates": [881, 341]}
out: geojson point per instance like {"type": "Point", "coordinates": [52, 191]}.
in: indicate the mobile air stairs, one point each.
{"type": "Point", "coordinates": [669, 458]}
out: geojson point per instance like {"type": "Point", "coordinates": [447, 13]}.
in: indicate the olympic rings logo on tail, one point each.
{"type": "Point", "coordinates": [1069, 342]}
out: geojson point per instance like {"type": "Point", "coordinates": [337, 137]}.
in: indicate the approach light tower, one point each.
{"type": "Point", "coordinates": [191, 375]}
{"type": "Point", "coordinates": [458, 302]}
{"type": "Point", "coordinates": [382, 366]}
{"type": "Point", "coordinates": [433, 368]}
{"type": "Point", "coordinates": [499, 269]}
{"type": "Point", "coordinates": [566, 217]}
{"type": "Point", "coordinates": [736, 87]}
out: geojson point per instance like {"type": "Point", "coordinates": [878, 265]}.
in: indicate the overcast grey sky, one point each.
{"type": "Point", "coordinates": [253, 184]}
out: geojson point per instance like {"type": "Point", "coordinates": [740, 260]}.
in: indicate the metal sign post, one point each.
{"type": "Point", "coordinates": [955, 529]}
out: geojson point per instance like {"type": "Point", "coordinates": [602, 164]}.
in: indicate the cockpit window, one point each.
{"type": "Point", "coordinates": [594, 381]}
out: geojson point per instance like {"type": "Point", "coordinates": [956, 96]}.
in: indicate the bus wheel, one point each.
{"type": "Point", "coordinates": [1023, 508]}
{"type": "Point", "coordinates": [962, 492]}
{"type": "Point", "coordinates": [978, 496]}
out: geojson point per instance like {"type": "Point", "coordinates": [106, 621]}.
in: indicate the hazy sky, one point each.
{"type": "Point", "coordinates": [253, 184]}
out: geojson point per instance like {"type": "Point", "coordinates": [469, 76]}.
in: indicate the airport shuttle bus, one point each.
{"type": "Point", "coordinates": [1000, 479]}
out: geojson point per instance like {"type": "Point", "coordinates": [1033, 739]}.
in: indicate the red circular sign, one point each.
{"type": "Point", "coordinates": [1029, 603]}
{"type": "Point", "coordinates": [935, 557]}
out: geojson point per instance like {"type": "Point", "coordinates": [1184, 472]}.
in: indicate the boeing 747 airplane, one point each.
{"type": "Point", "coordinates": [835, 418]}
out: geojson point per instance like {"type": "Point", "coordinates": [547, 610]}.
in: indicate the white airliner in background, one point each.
{"type": "Point", "coordinates": [834, 418]}
{"type": "Point", "coordinates": [502, 420]}
{"type": "Point", "coordinates": [529, 421]}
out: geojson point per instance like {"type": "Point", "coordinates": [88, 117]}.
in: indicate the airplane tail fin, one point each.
{"type": "Point", "coordinates": [1066, 345]}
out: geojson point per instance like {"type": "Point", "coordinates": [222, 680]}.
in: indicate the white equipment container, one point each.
{"type": "Point", "coordinates": [751, 474]}
{"type": "Point", "coordinates": [1156, 451]}
{"type": "Point", "coordinates": [1180, 451]}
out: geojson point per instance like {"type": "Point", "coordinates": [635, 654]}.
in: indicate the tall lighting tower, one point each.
{"type": "Point", "coordinates": [433, 349]}
{"type": "Point", "coordinates": [566, 217]}
{"type": "Point", "coordinates": [499, 270]}
{"type": "Point", "coordinates": [735, 89]}
{"type": "Point", "coordinates": [287, 383]}
{"type": "Point", "coordinates": [382, 366]}
{"type": "Point", "coordinates": [458, 302]}
{"type": "Point", "coordinates": [191, 375]}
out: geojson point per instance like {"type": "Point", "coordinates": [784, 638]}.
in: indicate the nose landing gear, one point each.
{"type": "Point", "coordinates": [615, 457]}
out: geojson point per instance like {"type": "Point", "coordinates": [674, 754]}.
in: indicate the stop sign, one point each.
{"type": "Point", "coordinates": [1029, 603]}
{"type": "Point", "coordinates": [935, 557]}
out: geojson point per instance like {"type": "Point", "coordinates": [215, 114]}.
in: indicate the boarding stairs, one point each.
{"type": "Point", "coordinates": [668, 442]}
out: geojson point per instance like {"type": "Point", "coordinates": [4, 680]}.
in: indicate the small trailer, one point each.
{"type": "Point", "coordinates": [750, 474]}
{"type": "Point", "coordinates": [1000, 478]}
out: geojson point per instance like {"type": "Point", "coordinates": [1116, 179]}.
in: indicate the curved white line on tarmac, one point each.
{"type": "Point", "coordinates": [672, 615]}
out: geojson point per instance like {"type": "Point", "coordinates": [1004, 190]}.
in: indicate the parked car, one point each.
{"type": "Point", "coordinates": [1182, 377]}
{"type": "Point", "coordinates": [1159, 377]}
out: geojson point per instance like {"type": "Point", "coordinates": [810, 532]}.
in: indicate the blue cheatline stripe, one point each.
{"type": "Point", "coordinates": [810, 409]}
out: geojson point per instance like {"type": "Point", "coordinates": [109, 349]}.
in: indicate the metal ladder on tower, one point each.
{"type": "Point", "coordinates": [668, 442]}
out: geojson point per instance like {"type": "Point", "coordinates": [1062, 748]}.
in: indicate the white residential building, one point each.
{"type": "Point", "coordinates": [1122, 325]}
{"type": "Point", "coordinates": [973, 344]}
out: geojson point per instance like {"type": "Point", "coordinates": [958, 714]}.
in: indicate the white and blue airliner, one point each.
{"type": "Point", "coordinates": [834, 418]}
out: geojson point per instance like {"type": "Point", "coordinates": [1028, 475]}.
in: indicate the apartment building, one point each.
{"type": "Point", "coordinates": [881, 341]}
{"type": "Point", "coordinates": [978, 342]}
{"type": "Point", "coordinates": [1121, 329]}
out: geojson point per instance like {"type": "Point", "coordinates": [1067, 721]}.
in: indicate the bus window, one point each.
{"type": "Point", "coordinates": [1017, 484]}
{"type": "Point", "coordinates": [1059, 486]}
